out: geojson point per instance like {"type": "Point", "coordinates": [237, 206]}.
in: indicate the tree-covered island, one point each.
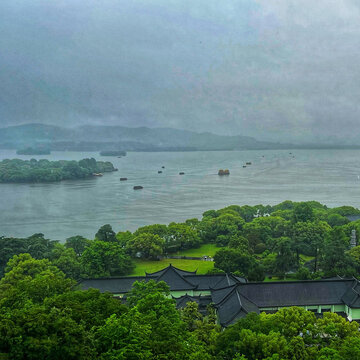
{"type": "Point", "coordinates": [35, 171]}
{"type": "Point", "coordinates": [33, 151]}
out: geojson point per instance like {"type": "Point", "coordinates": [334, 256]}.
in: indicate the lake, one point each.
{"type": "Point", "coordinates": [60, 210]}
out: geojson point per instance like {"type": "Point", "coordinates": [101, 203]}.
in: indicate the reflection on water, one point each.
{"type": "Point", "coordinates": [73, 207]}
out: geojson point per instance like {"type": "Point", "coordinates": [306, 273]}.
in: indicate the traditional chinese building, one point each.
{"type": "Point", "coordinates": [234, 297]}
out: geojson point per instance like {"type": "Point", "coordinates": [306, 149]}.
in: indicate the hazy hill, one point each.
{"type": "Point", "coordinates": [119, 137]}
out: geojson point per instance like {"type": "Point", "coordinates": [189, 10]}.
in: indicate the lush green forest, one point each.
{"type": "Point", "coordinates": [44, 316]}
{"type": "Point", "coordinates": [32, 171]}
{"type": "Point", "coordinates": [303, 240]}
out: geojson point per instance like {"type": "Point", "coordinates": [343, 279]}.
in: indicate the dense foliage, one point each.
{"type": "Point", "coordinates": [32, 171]}
{"type": "Point", "coordinates": [44, 316]}
{"type": "Point", "coordinates": [77, 258]}
{"type": "Point", "coordinates": [303, 240]}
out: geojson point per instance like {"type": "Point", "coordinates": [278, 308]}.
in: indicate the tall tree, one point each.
{"type": "Point", "coordinates": [106, 233]}
{"type": "Point", "coordinates": [103, 258]}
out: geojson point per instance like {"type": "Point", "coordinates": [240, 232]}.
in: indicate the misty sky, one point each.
{"type": "Point", "coordinates": [283, 70]}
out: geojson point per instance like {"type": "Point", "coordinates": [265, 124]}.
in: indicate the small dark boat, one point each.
{"type": "Point", "coordinates": [181, 173]}
{"type": "Point", "coordinates": [248, 163]}
{"type": "Point", "coordinates": [138, 187]}
{"type": "Point", "coordinates": [159, 172]}
{"type": "Point", "coordinates": [244, 166]}
{"type": "Point", "coordinates": [123, 179]}
{"type": "Point", "coordinates": [97, 174]}
{"type": "Point", "coordinates": [163, 167]}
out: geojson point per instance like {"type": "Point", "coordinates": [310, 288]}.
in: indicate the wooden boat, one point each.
{"type": "Point", "coordinates": [123, 179]}
{"type": "Point", "coordinates": [138, 187]}
{"type": "Point", "coordinates": [97, 174]}
{"type": "Point", "coordinates": [181, 173]}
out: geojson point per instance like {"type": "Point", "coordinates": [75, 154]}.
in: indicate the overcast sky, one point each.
{"type": "Point", "coordinates": [274, 69]}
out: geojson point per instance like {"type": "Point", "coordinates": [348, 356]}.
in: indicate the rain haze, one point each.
{"type": "Point", "coordinates": [283, 71]}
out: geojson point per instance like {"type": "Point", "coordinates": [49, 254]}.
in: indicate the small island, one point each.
{"type": "Point", "coordinates": [33, 151]}
{"type": "Point", "coordinates": [113, 153]}
{"type": "Point", "coordinates": [222, 172]}
{"type": "Point", "coordinates": [36, 171]}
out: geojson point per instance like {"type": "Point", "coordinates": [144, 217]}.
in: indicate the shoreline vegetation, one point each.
{"type": "Point", "coordinates": [37, 171]}
{"type": "Point", "coordinates": [33, 151]}
{"type": "Point", "coordinates": [113, 153]}
{"type": "Point", "coordinates": [290, 240]}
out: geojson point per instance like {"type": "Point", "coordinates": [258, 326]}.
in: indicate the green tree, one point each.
{"type": "Point", "coordinates": [303, 212]}
{"type": "Point", "coordinates": [309, 238]}
{"type": "Point", "coordinates": [66, 260]}
{"type": "Point", "coordinates": [78, 243]}
{"type": "Point", "coordinates": [149, 246]}
{"type": "Point", "coordinates": [231, 260]}
{"type": "Point", "coordinates": [168, 333]}
{"type": "Point", "coordinates": [285, 258]}
{"type": "Point", "coordinates": [220, 229]}
{"type": "Point", "coordinates": [103, 258]}
{"type": "Point", "coordinates": [181, 236]}
{"type": "Point", "coordinates": [29, 279]}
{"type": "Point", "coordinates": [106, 233]}
{"type": "Point", "coordinates": [336, 260]}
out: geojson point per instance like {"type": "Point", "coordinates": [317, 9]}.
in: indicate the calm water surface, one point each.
{"type": "Point", "coordinates": [60, 210]}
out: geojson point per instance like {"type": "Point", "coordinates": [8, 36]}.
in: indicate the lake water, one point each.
{"type": "Point", "coordinates": [60, 210]}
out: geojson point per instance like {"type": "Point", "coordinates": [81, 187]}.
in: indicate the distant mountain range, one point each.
{"type": "Point", "coordinates": [99, 138]}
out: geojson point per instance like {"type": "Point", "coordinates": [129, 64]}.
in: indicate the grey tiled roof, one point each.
{"type": "Point", "coordinates": [234, 306]}
{"type": "Point", "coordinates": [115, 285]}
{"type": "Point", "coordinates": [175, 280]}
{"type": "Point", "coordinates": [297, 293]}
{"type": "Point", "coordinates": [352, 295]}
{"type": "Point", "coordinates": [234, 298]}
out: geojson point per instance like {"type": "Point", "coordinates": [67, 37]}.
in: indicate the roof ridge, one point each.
{"type": "Point", "coordinates": [218, 282]}
{"type": "Point", "coordinates": [295, 281]}
{"type": "Point", "coordinates": [117, 277]}
{"type": "Point", "coordinates": [241, 308]}
{"type": "Point", "coordinates": [173, 267]}
{"type": "Point", "coordinates": [227, 295]}
{"type": "Point", "coordinates": [178, 274]}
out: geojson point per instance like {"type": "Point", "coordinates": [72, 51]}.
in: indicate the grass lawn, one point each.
{"type": "Point", "coordinates": [306, 258]}
{"type": "Point", "coordinates": [202, 267]}
{"type": "Point", "coordinates": [206, 249]}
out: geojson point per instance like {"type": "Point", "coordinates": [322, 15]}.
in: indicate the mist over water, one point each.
{"type": "Point", "coordinates": [60, 210]}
